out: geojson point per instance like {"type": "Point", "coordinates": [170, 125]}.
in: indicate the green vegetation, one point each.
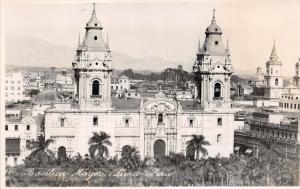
{"type": "Point", "coordinates": [196, 145]}
{"type": "Point", "coordinates": [96, 169]}
{"type": "Point", "coordinates": [99, 143]}
{"type": "Point", "coordinates": [40, 155]}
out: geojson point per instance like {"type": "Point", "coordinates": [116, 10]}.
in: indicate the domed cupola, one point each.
{"type": "Point", "coordinates": [213, 44]}
{"type": "Point", "coordinates": [94, 23]}
{"type": "Point", "coordinates": [48, 97]}
{"type": "Point", "coordinates": [213, 28]}
{"type": "Point", "coordinates": [93, 39]}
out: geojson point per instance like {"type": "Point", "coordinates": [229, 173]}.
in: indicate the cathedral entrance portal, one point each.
{"type": "Point", "coordinates": [62, 153]}
{"type": "Point", "coordinates": [159, 149]}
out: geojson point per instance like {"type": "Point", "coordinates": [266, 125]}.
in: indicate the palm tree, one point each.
{"type": "Point", "coordinates": [130, 159]}
{"type": "Point", "coordinates": [99, 143]}
{"type": "Point", "coordinates": [270, 151]}
{"type": "Point", "coordinates": [41, 153]}
{"type": "Point", "coordinates": [196, 145]}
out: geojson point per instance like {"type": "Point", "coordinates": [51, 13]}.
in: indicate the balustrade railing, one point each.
{"type": "Point", "coordinates": [274, 126]}
{"type": "Point", "coordinates": [96, 96]}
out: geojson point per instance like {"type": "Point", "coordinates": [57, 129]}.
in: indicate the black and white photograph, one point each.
{"type": "Point", "coordinates": [171, 93]}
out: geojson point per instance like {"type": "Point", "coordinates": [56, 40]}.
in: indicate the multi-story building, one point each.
{"type": "Point", "coordinates": [14, 87]}
{"type": "Point", "coordinates": [61, 81]}
{"type": "Point", "coordinates": [20, 128]}
{"type": "Point", "coordinates": [290, 99]}
{"type": "Point", "coordinates": [155, 126]}
{"type": "Point", "coordinates": [120, 83]}
{"type": "Point", "coordinates": [281, 127]}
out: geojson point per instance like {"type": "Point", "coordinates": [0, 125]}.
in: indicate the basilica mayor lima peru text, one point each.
{"type": "Point", "coordinates": [155, 126]}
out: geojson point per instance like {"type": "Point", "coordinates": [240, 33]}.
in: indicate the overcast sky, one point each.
{"type": "Point", "coordinates": [170, 30]}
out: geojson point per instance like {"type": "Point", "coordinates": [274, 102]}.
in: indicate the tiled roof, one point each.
{"type": "Point", "coordinates": [190, 105]}
{"type": "Point", "coordinates": [126, 104]}
{"type": "Point", "coordinates": [148, 95]}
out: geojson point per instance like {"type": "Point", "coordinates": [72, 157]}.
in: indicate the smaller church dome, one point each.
{"type": "Point", "coordinates": [48, 97]}
{"type": "Point", "coordinates": [258, 77]}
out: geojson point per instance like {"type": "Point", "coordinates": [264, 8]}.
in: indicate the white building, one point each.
{"type": "Point", "coordinates": [290, 99]}
{"type": "Point", "coordinates": [268, 95]}
{"type": "Point", "coordinates": [20, 128]}
{"type": "Point", "coordinates": [14, 87]}
{"type": "Point", "coordinates": [120, 83]}
{"type": "Point", "coordinates": [156, 126]}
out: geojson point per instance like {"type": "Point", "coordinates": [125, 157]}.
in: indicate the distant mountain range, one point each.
{"type": "Point", "coordinates": [26, 51]}
{"type": "Point", "coordinates": [31, 52]}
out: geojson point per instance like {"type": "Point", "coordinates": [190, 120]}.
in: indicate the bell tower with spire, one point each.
{"type": "Point", "coordinates": [212, 69]}
{"type": "Point", "coordinates": [93, 67]}
{"type": "Point", "coordinates": [273, 78]}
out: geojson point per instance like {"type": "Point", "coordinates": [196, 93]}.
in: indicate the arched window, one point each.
{"type": "Point", "coordinates": [15, 160]}
{"type": "Point", "coordinates": [276, 81]}
{"type": "Point", "coordinates": [217, 90]}
{"type": "Point", "coordinates": [27, 144]}
{"type": "Point", "coordinates": [240, 90]}
{"type": "Point", "coordinates": [160, 118]}
{"type": "Point", "coordinates": [219, 138]}
{"type": "Point", "coordinates": [96, 87]}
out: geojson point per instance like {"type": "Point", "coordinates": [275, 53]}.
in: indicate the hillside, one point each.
{"type": "Point", "coordinates": [26, 51]}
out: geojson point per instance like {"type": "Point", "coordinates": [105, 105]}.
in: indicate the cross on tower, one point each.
{"type": "Point", "coordinates": [94, 7]}
{"type": "Point", "coordinates": [214, 11]}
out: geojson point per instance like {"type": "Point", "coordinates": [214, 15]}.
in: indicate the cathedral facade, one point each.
{"type": "Point", "coordinates": [155, 126]}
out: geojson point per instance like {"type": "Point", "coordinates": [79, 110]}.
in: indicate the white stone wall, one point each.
{"type": "Point", "coordinates": [24, 134]}
{"type": "Point", "coordinates": [142, 130]}
{"type": "Point", "coordinates": [290, 102]}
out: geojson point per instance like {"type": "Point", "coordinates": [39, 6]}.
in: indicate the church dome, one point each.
{"type": "Point", "coordinates": [48, 97]}
{"type": "Point", "coordinates": [258, 77]}
{"type": "Point", "coordinates": [213, 28]}
{"type": "Point", "coordinates": [94, 22]}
